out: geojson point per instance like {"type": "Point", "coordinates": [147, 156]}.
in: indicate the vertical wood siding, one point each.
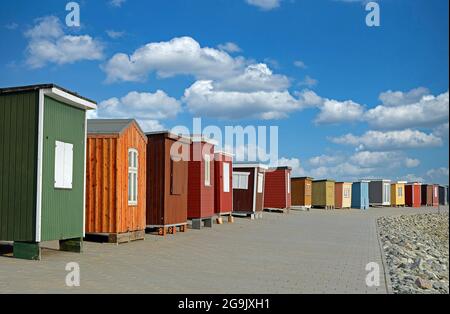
{"type": "Point", "coordinates": [323, 193]}
{"type": "Point", "coordinates": [301, 192]}
{"type": "Point", "coordinates": [275, 191]}
{"type": "Point", "coordinates": [223, 200]}
{"type": "Point", "coordinates": [18, 166]}
{"type": "Point", "coordinates": [243, 199]}
{"type": "Point", "coordinates": [62, 209]}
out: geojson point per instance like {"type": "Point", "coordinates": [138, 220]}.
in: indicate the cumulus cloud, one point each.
{"type": "Point", "coordinates": [256, 77]}
{"type": "Point", "coordinates": [308, 81]}
{"type": "Point", "coordinates": [148, 108]}
{"type": "Point", "coordinates": [377, 159]}
{"type": "Point", "coordinates": [115, 34]}
{"type": "Point", "coordinates": [295, 164]}
{"type": "Point", "coordinates": [202, 98]}
{"type": "Point", "coordinates": [11, 26]}
{"type": "Point", "coordinates": [117, 3]}
{"type": "Point", "coordinates": [401, 113]}
{"type": "Point", "coordinates": [48, 44]}
{"type": "Point", "coordinates": [412, 178]}
{"type": "Point", "coordinates": [179, 56]}
{"type": "Point", "coordinates": [441, 130]}
{"type": "Point", "coordinates": [334, 111]}
{"type": "Point", "coordinates": [265, 4]}
{"type": "Point", "coordinates": [300, 64]}
{"type": "Point", "coordinates": [229, 47]}
{"type": "Point", "coordinates": [399, 98]}
{"type": "Point", "coordinates": [390, 140]}
{"type": "Point", "coordinates": [438, 173]}
{"type": "Point", "coordinates": [323, 160]}
{"type": "Point", "coordinates": [412, 162]}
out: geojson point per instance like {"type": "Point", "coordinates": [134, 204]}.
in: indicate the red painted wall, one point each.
{"type": "Point", "coordinates": [413, 197]}
{"type": "Point", "coordinates": [275, 191]}
{"type": "Point", "coordinates": [223, 201]}
{"type": "Point", "coordinates": [200, 197]}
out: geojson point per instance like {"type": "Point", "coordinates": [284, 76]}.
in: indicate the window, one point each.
{"type": "Point", "coordinates": [435, 192]}
{"type": "Point", "coordinates": [260, 182]}
{"type": "Point", "coordinates": [387, 193]}
{"type": "Point", "coordinates": [226, 177]}
{"type": "Point", "coordinates": [207, 170]}
{"type": "Point", "coordinates": [400, 192]}
{"type": "Point", "coordinates": [63, 165]}
{"type": "Point", "coordinates": [289, 183]}
{"type": "Point", "coordinates": [132, 176]}
{"type": "Point", "coordinates": [240, 180]}
{"type": "Point", "coordinates": [346, 193]}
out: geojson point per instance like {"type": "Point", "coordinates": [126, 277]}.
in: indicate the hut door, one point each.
{"type": "Point", "coordinates": [387, 193]}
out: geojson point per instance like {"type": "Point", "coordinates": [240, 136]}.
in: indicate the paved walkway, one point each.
{"type": "Point", "coordinates": [301, 252]}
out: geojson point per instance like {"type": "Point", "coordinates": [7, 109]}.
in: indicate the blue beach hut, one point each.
{"type": "Point", "coordinates": [360, 194]}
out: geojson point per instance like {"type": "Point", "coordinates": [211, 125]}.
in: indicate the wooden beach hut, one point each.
{"type": "Point", "coordinates": [167, 182]}
{"type": "Point", "coordinates": [201, 182]}
{"type": "Point", "coordinates": [115, 181]}
{"type": "Point", "coordinates": [323, 194]}
{"type": "Point", "coordinates": [427, 195]}
{"type": "Point", "coordinates": [343, 195]}
{"type": "Point", "coordinates": [413, 194]}
{"type": "Point", "coordinates": [435, 198]}
{"type": "Point", "coordinates": [301, 192]}
{"type": "Point", "coordinates": [380, 193]}
{"type": "Point", "coordinates": [277, 189]}
{"type": "Point", "coordinates": [43, 168]}
{"type": "Point", "coordinates": [398, 194]}
{"type": "Point", "coordinates": [248, 189]}
{"type": "Point", "coordinates": [360, 194]}
{"type": "Point", "coordinates": [223, 177]}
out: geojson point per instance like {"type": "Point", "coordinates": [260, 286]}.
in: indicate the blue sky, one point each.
{"type": "Point", "coordinates": [350, 101]}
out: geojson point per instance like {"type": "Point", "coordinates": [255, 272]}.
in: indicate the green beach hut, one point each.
{"type": "Point", "coordinates": [42, 168]}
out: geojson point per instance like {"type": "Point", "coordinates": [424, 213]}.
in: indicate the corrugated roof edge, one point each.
{"type": "Point", "coordinates": [250, 165]}
{"type": "Point", "coordinates": [302, 178]}
{"type": "Point", "coordinates": [280, 168]}
{"type": "Point", "coordinates": [25, 88]}
{"type": "Point", "coordinates": [325, 180]}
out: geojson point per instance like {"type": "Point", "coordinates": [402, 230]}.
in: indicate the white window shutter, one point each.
{"type": "Point", "coordinates": [68, 165]}
{"type": "Point", "coordinates": [226, 177]}
{"type": "Point", "coordinates": [59, 165]}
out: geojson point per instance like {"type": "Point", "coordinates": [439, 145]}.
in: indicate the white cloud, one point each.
{"type": "Point", "coordinates": [256, 77]}
{"type": "Point", "coordinates": [117, 3]}
{"type": "Point", "coordinates": [11, 26]}
{"type": "Point", "coordinates": [391, 140]}
{"type": "Point", "coordinates": [265, 4]}
{"type": "Point", "coordinates": [48, 44]}
{"type": "Point", "coordinates": [343, 171]}
{"type": "Point", "coordinates": [334, 111]}
{"type": "Point", "coordinates": [179, 56]}
{"type": "Point", "coordinates": [442, 130]}
{"type": "Point", "coordinates": [147, 108]}
{"type": "Point", "coordinates": [203, 99]}
{"type": "Point", "coordinates": [300, 64]}
{"type": "Point", "coordinates": [412, 178]}
{"type": "Point", "coordinates": [438, 173]}
{"type": "Point", "coordinates": [324, 160]}
{"type": "Point", "coordinates": [412, 162]}
{"type": "Point", "coordinates": [377, 159]}
{"type": "Point", "coordinates": [428, 111]}
{"type": "Point", "coordinates": [308, 82]}
{"type": "Point", "coordinates": [115, 34]}
{"type": "Point", "coordinates": [229, 47]}
{"type": "Point", "coordinates": [295, 164]}
{"type": "Point", "coordinates": [399, 98]}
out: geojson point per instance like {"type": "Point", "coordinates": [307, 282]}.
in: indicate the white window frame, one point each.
{"type": "Point", "coordinates": [133, 182]}
{"type": "Point", "coordinates": [207, 160]}
{"type": "Point", "coordinates": [226, 177]}
{"type": "Point", "coordinates": [240, 180]}
{"type": "Point", "coordinates": [346, 192]}
{"type": "Point", "coordinates": [260, 183]}
{"type": "Point", "coordinates": [400, 191]}
{"type": "Point", "coordinates": [63, 165]}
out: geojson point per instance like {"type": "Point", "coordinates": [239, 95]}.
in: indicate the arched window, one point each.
{"type": "Point", "coordinates": [132, 176]}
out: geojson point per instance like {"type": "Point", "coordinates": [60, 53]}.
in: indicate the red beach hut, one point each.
{"type": "Point", "coordinates": [223, 178]}
{"type": "Point", "coordinates": [201, 182]}
{"type": "Point", "coordinates": [277, 190]}
{"type": "Point", "coordinates": [413, 197]}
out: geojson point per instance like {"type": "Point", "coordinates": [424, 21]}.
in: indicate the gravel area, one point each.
{"type": "Point", "coordinates": [416, 249]}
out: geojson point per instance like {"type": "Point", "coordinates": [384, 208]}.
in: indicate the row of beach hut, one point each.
{"type": "Point", "coordinates": [329, 194]}
{"type": "Point", "coordinates": [66, 178]}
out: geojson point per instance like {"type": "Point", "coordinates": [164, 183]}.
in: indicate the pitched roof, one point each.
{"type": "Point", "coordinates": [108, 126]}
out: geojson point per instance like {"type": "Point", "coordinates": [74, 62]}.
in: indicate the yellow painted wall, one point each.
{"type": "Point", "coordinates": [323, 193]}
{"type": "Point", "coordinates": [398, 194]}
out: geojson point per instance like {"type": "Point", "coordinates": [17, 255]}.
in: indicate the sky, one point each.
{"type": "Point", "coordinates": [350, 101]}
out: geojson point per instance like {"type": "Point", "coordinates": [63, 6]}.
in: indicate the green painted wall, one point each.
{"type": "Point", "coordinates": [18, 166]}
{"type": "Point", "coordinates": [62, 210]}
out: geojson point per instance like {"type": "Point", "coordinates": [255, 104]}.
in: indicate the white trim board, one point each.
{"type": "Point", "coordinates": [69, 99]}
{"type": "Point", "coordinates": [39, 166]}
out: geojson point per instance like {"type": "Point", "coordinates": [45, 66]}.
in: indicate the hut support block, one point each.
{"type": "Point", "coordinates": [27, 250]}
{"type": "Point", "coordinates": [71, 245]}
{"type": "Point", "coordinates": [197, 223]}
